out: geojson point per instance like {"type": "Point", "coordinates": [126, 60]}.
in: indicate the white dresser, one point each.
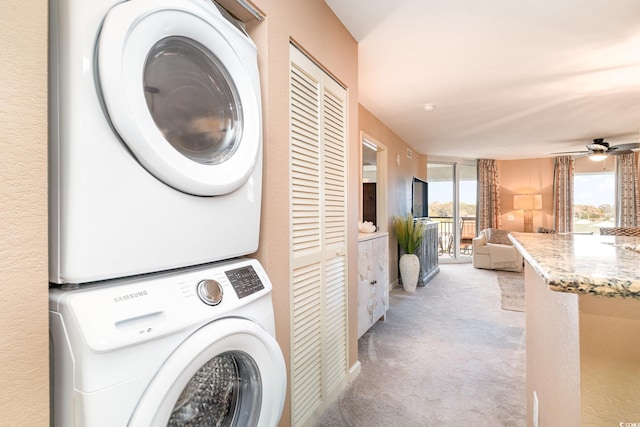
{"type": "Point", "coordinates": [373, 279]}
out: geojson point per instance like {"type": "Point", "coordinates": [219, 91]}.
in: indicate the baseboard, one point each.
{"type": "Point", "coordinates": [354, 371]}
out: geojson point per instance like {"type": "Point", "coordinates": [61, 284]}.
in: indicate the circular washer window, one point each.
{"type": "Point", "coordinates": [193, 100]}
{"type": "Point", "coordinates": [231, 362]}
{"type": "Point", "coordinates": [226, 391]}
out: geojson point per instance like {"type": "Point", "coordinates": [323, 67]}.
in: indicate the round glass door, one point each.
{"type": "Point", "coordinates": [226, 391]}
{"type": "Point", "coordinates": [180, 85]}
{"type": "Point", "coordinates": [229, 372]}
{"type": "Point", "coordinates": [193, 100]}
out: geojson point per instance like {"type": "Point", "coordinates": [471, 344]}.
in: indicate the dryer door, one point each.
{"type": "Point", "coordinates": [228, 373]}
{"type": "Point", "coordinates": [180, 85]}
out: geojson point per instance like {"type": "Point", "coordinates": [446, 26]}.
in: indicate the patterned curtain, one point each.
{"type": "Point", "coordinates": [488, 194]}
{"type": "Point", "coordinates": [563, 194]}
{"type": "Point", "coordinates": [627, 191]}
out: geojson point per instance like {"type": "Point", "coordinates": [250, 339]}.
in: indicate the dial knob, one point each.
{"type": "Point", "coordinates": [210, 292]}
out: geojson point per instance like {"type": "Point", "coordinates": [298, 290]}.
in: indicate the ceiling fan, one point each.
{"type": "Point", "coordinates": [600, 149]}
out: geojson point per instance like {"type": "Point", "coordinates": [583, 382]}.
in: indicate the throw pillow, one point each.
{"type": "Point", "coordinates": [546, 230]}
{"type": "Point", "coordinates": [499, 237]}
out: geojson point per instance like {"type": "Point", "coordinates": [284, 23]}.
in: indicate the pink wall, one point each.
{"type": "Point", "coordinates": [522, 177]}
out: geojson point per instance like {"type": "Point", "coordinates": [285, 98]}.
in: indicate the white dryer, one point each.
{"type": "Point", "coordinates": [155, 138]}
{"type": "Point", "coordinates": [194, 347]}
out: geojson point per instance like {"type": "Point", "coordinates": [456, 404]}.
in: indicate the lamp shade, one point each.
{"type": "Point", "coordinates": [527, 202]}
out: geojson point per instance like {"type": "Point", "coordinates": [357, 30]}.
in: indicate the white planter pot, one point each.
{"type": "Point", "coordinates": [409, 271]}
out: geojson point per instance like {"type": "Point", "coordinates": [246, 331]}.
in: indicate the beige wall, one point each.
{"type": "Point", "coordinates": [522, 177]}
{"type": "Point", "coordinates": [609, 356]}
{"type": "Point", "coordinates": [24, 354]}
{"type": "Point", "coordinates": [313, 26]}
{"type": "Point", "coordinates": [553, 353]}
{"type": "Point", "coordinates": [582, 356]}
{"type": "Point", "coordinates": [399, 177]}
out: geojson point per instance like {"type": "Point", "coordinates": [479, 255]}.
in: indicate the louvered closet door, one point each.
{"type": "Point", "coordinates": [318, 238]}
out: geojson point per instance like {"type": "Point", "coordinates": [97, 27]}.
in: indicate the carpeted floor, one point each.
{"type": "Point", "coordinates": [447, 355]}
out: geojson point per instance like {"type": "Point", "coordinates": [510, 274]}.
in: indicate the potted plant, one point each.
{"type": "Point", "coordinates": [409, 234]}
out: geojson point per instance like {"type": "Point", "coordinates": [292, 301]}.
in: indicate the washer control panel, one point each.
{"type": "Point", "coordinates": [133, 310]}
{"type": "Point", "coordinates": [245, 280]}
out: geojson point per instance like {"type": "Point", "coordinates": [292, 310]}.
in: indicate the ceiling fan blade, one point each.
{"type": "Point", "coordinates": [624, 148]}
{"type": "Point", "coordinates": [572, 152]}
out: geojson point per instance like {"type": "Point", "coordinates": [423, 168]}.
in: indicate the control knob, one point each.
{"type": "Point", "coordinates": [210, 292]}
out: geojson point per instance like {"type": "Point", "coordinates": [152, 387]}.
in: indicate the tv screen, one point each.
{"type": "Point", "coordinates": [420, 199]}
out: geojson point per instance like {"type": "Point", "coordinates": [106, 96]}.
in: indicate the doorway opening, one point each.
{"type": "Point", "coordinates": [374, 179]}
{"type": "Point", "coordinates": [453, 193]}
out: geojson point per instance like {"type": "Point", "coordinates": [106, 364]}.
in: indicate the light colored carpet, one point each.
{"type": "Point", "coordinates": [447, 355]}
{"type": "Point", "coordinates": [512, 290]}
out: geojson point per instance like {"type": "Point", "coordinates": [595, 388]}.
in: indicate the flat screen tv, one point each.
{"type": "Point", "coordinates": [420, 198]}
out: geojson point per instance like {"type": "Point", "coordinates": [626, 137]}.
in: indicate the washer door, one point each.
{"type": "Point", "coordinates": [228, 373]}
{"type": "Point", "coordinates": [180, 85]}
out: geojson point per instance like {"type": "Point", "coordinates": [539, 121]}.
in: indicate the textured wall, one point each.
{"type": "Point", "coordinates": [553, 353]}
{"type": "Point", "coordinates": [609, 355]}
{"type": "Point", "coordinates": [24, 355]}
{"type": "Point", "coordinates": [314, 27]}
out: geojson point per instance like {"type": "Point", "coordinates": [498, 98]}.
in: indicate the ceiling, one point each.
{"type": "Point", "coordinates": [510, 79]}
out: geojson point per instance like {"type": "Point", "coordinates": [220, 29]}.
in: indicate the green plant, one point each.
{"type": "Point", "coordinates": [409, 233]}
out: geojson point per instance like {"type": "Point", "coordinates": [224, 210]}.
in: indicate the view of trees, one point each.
{"type": "Point", "coordinates": [445, 209]}
{"type": "Point", "coordinates": [593, 213]}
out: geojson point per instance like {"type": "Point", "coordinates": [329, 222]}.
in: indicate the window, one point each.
{"type": "Point", "coordinates": [593, 201]}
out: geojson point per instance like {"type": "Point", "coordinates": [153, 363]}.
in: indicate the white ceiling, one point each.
{"type": "Point", "coordinates": [509, 78]}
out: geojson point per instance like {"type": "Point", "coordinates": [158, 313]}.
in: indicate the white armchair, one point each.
{"type": "Point", "coordinates": [493, 250]}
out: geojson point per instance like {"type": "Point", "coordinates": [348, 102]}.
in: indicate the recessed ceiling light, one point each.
{"type": "Point", "coordinates": [428, 107]}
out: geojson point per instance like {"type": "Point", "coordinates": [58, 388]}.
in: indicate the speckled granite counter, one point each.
{"type": "Point", "coordinates": [584, 264]}
{"type": "Point", "coordinates": [582, 348]}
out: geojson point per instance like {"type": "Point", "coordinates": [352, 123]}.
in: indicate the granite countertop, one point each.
{"type": "Point", "coordinates": [584, 264]}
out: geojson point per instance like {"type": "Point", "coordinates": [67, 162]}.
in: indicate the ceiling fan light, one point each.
{"type": "Point", "coordinates": [598, 156]}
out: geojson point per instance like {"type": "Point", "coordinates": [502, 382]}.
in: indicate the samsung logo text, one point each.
{"type": "Point", "coordinates": [132, 295]}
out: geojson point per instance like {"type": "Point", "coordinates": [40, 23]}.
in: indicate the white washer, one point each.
{"type": "Point", "coordinates": [194, 347]}
{"type": "Point", "coordinates": [155, 138]}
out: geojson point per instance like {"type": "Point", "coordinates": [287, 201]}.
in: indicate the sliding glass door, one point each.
{"type": "Point", "coordinates": [453, 192]}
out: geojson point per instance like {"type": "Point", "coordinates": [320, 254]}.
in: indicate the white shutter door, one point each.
{"type": "Point", "coordinates": [318, 238]}
{"type": "Point", "coordinates": [335, 233]}
{"type": "Point", "coordinates": [306, 380]}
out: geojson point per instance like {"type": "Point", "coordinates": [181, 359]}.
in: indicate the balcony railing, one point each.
{"type": "Point", "coordinates": [446, 232]}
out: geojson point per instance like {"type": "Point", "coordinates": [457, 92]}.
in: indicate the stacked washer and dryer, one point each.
{"type": "Point", "coordinates": [155, 193]}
